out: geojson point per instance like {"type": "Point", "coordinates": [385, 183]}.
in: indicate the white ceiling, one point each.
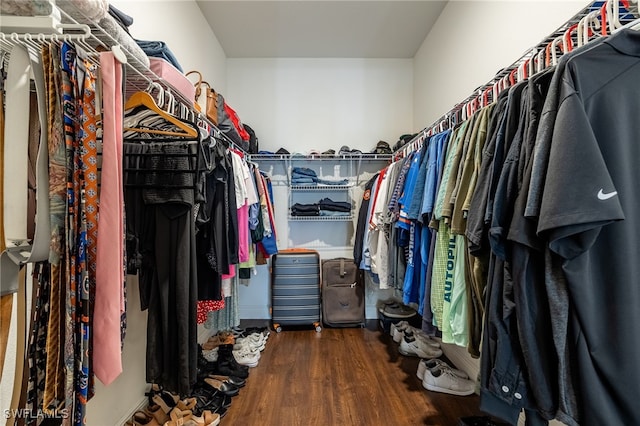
{"type": "Point", "coordinates": [321, 29]}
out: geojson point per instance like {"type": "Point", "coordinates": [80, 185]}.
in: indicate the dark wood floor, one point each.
{"type": "Point", "coordinates": [352, 376]}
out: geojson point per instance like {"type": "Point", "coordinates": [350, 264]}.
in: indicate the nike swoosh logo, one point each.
{"type": "Point", "coordinates": [602, 196]}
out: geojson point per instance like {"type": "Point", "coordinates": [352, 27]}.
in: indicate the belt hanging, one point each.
{"type": "Point", "coordinates": [18, 248]}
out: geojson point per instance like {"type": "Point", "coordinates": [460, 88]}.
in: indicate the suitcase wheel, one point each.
{"type": "Point", "coordinates": [317, 326]}
{"type": "Point", "coordinates": [277, 328]}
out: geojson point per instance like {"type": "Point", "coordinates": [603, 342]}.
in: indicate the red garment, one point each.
{"type": "Point", "coordinates": [236, 122]}
{"type": "Point", "coordinates": [206, 306]}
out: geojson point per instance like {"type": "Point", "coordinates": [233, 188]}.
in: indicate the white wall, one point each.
{"type": "Point", "coordinates": [304, 104]}
{"type": "Point", "coordinates": [471, 42]}
{"type": "Point", "coordinates": [181, 25]}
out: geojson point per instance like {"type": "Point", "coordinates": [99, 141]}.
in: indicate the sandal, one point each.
{"type": "Point", "coordinates": [165, 399]}
{"type": "Point", "coordinates": [187, 404]}
{"type": "Point", "coordinates": [141, 418]}
{"type": "Point", "coordinates": [158, 413]}
{"type": "Point", "coordinates": [187, 418]}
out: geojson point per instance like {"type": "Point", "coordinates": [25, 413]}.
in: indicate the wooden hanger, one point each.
{"type": "Point", "coordinates": [144, 99]}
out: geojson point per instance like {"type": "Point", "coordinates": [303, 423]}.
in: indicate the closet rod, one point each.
{"type": "Point", "coordinates": [450, 118]}
{"type": "Point", "coordinates": [143, 78]}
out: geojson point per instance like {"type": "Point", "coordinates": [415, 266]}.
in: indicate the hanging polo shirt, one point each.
{"type": "Point", "coordinates": [552, 291]}
{"type": "Point", "coordinates": [589, 216]}
{"type": "Point", "coordinates": [527, 270]}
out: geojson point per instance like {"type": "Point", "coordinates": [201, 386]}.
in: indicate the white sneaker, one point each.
{"type": "Point", "coordinates": [412, 346]}
{"type": "Point", "coordinates": [210, 355]}
{"type": "Point", "coordinates": [397, 330]}
{"type": "Point", "coordinates": [246, 357]}
{"type": "Point", "coordinates": [445, 381]}
{"type": "Point", "coordinates": [430, 364]}
{"type": "Point", "coordinates": [250, 345]}
{"type": "Point", "coordinates": [420, 335]}
{"type": "Point", "coordinates": [403, 329]}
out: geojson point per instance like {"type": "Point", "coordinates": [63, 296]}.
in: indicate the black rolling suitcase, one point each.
{"type": "Point", "coordinates": [295, 289]}
{"type": "Point", "coordinates": [342, 293]}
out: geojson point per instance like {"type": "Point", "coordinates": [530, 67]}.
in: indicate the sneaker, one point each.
{"type": "Point", "coordinates": [412, 346]}
{"type": "Point", "coordinates": [250, 345]}
{"type": "Point", "coordinates": [445, 381]}
{"type": "Point", "coordinates": [382, 304]}
{"type": "Point", "coordinates": [398, 310]}
{"type": "Point", "coordinates": [430, 364]}
{"type": "Point", "coordinates": [397, 330]}
{"type": "Point", "coordinates": [246, 357]}
{"type": "Point", "coordinates": [419, 334]}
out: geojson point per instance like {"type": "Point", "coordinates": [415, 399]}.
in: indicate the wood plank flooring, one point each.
{"type": "Point", "coordinates": [352, 376]}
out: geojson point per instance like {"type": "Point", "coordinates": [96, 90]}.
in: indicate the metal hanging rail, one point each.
{"type": "Point", "coordinates": [92, 39]}
{"type": "Point", "coordinates": [603, 16]}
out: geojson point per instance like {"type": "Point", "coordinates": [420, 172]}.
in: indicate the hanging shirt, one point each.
{"type": "Point", "coordinates": [589, 216]}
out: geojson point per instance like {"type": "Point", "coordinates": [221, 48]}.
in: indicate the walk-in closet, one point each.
{"type": "Point", "coordinates": [312, 212]}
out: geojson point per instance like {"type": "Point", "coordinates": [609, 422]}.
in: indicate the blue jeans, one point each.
{"type": "Point", "coordinates": [159, 49]}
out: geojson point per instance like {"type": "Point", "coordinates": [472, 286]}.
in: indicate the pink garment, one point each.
{"type": "Point", "coordinates": [243, 233]}
{"type": "Point", "coordinates": [231, 274]}
{"type": "Point", "coordinates": [110, 274]}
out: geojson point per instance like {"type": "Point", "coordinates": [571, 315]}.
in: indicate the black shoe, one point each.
{"type": "Point", "coordinates": [227, 364]}
{"type": "Point", "coordinates": [205, 367]}
{"type": "Point", "coordinates": [224, 387]}
{"type": "Point", "coordinates": [210, 399]}
{"type": "Point", "coordinates": [234, 380]}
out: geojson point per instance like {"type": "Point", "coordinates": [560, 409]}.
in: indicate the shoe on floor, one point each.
{"type": "Point", "coordinates": [412, 346]}
{"type": "Point", "coordinates": [397, 330]}
{"type": "Point", "coordinates": [398, 310]}
{"type": "Point", "coordinates": [432, 363]}
{"type": "Point", "coordinates": [403, 328]}
{"type": "Point", "coordinates": [445, 381]}
{"type": "Point", "coordinates": [247, 357]}
{"type": "Point", "coordinates": [382, 304]}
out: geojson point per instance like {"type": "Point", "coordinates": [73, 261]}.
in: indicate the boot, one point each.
{"type": "Point", "coordinates": [227, 364]}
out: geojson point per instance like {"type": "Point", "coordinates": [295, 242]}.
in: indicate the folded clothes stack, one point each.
{"type": "Point", "coordinates": [306, 177]}
{"type": "Point", "coordinates": [334, 206]}
{"type": "Point", "coordinates": [325, 207]}
{"type": "Point", "coordinates": [305, 210]}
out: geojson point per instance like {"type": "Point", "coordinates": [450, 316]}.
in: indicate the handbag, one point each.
{"type": "Point", "coordinates": [205, 100]}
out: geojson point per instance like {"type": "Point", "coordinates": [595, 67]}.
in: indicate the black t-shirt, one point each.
{"type": "Point", "coordinates": [589, 215]}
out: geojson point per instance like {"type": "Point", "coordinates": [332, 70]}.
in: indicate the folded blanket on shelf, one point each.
{"type": "Point", "coordinates": [121, 37]}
